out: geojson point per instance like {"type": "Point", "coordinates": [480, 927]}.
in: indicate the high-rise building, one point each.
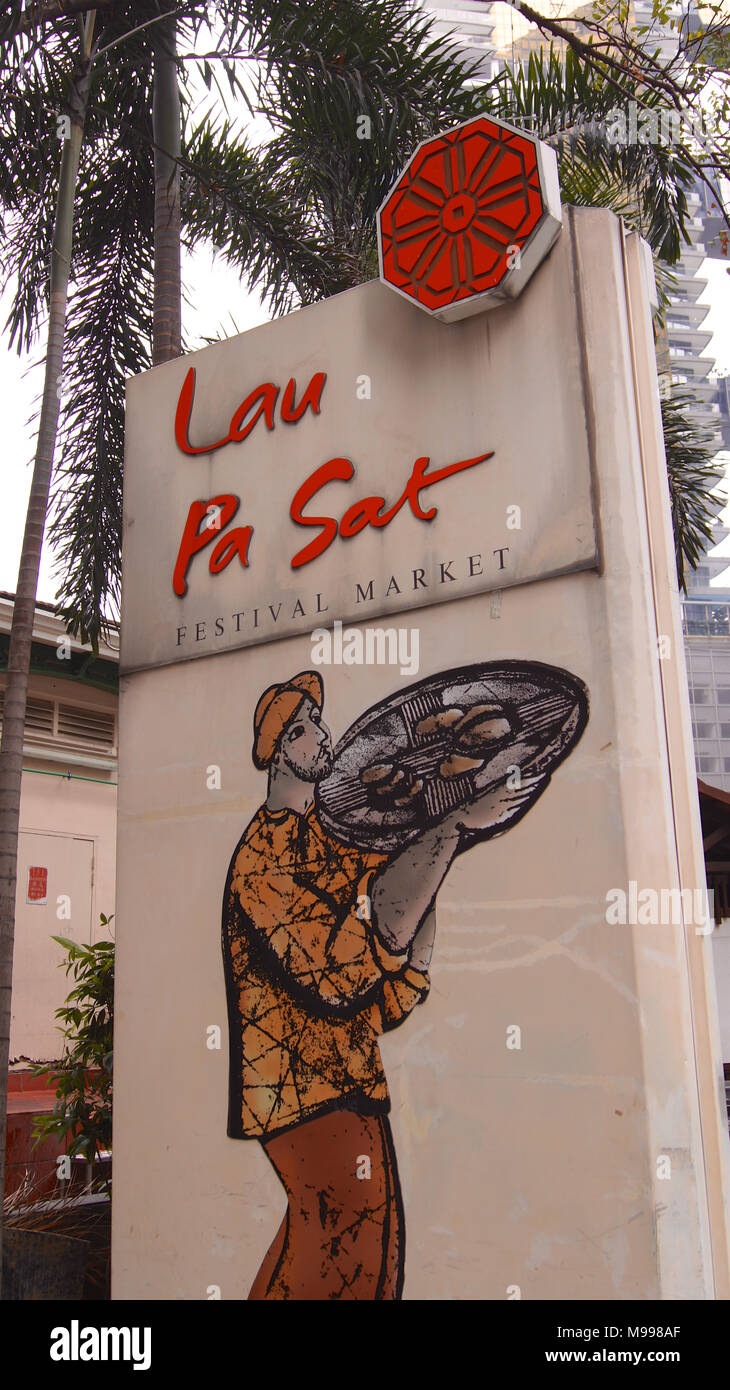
{"type": "Point", "coordinates": [469, 26]}
{"type": "Point", "coordinates": [706, 626]}
{"type": "Point", "coordinates": [715, 234]}
{"type": "Point", "coordinates": [689, 366]}
{"type": "Point", "coordinates": [723, 404]}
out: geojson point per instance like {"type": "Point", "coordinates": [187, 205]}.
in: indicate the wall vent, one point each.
{"type": "Point", "coordinates": [38, 715]}
{"type": "Point", "coordinates": [80, 727]}
{"type": "Point", "coordinates": [86, 726]}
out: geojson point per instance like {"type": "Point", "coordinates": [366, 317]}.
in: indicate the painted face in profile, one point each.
{"type": "Point", "coordinates": [306, 745]}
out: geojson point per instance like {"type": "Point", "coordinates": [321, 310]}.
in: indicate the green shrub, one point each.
{"type": "Point", "coordinates": [83, 1077]}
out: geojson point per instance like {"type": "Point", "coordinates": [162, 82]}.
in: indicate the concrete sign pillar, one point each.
{"type": "Point", "coordinates": [414, 981]}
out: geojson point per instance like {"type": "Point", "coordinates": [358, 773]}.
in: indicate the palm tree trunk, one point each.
{"type": "Point", "coordinates": [166, 324]}
{"type": "Point", "coordinates": [11, 746]}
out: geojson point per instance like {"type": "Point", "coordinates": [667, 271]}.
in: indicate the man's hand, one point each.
{"type": "Point", "coordinates": [403, 891]}
{"type": "Point", "coordinates": [422, 947]}
{"type": "Point", "coordinates": [499, 804]}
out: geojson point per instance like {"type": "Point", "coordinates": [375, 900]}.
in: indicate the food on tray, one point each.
{"type": "Point", "coordinates": [466, 739]}
{"type": "Point", "coordinates": [377, 772]}
{"type": "Point", "coordinates": [422, 752]}
{"type": "Point", "coordinates": [388, 785]}
{"type": "Point", "coordinates": [484, 724]}
{"type": "Point", "coordinates": [396, 782]}
{"type": "Point", "coordinates": [415, 787]}
{"type": "Point", "coordinates": [438, 723]}
{"type": "Point", "coordinates": [454, 765]}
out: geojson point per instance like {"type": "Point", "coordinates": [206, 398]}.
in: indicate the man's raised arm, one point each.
{"type": "Point", "coordinates": [403, 891]}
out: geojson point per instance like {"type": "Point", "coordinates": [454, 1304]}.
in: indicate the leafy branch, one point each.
{"type": "Point", "coordinates": [83, 1077]}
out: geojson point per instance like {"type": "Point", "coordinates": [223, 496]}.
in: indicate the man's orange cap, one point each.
{"type": "Point", "coordinates": [277, 708]}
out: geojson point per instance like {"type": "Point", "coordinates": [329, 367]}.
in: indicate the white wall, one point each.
{"type": "Point", "coordinates": [68, 826]}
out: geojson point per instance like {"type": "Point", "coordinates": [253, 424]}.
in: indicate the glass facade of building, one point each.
{"type": "Point", "coordinates": [706, 628]}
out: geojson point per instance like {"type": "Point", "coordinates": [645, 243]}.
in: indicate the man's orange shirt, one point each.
{"type": "Point", "coordinates": [310, 986]}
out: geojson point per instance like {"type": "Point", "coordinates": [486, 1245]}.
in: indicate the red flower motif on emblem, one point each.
{"type": "Point", "coordinates": [466, 202]}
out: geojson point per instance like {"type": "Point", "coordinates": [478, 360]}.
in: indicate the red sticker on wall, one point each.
{"type": "Point", "coordinates": [37, 885]}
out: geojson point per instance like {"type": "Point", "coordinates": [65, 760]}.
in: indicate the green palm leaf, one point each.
{"type": "Point", "coordinates": [692, 478]}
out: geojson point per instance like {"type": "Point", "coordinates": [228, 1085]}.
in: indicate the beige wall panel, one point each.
{"type": "Point", "coordinates": [518, 1161]}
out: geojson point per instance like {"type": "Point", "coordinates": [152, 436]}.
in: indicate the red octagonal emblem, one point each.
{"type": "Point", "coordinates": [472, 215]}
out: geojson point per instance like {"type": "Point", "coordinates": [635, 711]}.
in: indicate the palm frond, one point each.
{"type": "Point", "coordinates": [233, 198]}
{"type": "Point", "coordinates": [574, 109]}
{"type": "Point", "coordinates": [692, 478]}
{"type": "Point", "coordinates": [108, 336]}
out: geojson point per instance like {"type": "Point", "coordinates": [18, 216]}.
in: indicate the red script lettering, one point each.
{"type": "Point", "coordinates": [260, 401]}
{"type": "Point", "coordinates": [369, 511]}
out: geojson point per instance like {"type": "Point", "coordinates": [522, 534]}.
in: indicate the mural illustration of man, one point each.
{"type": "Point", "coordinates": [326, 947]}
